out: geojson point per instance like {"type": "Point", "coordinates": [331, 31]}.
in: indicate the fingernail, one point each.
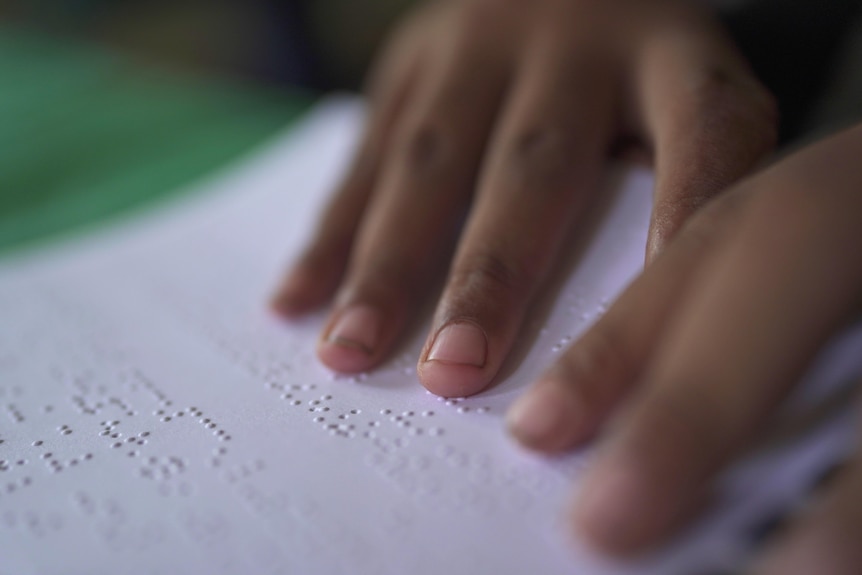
{"type": "Point", "coordinates": [357, 327]}
{"type": "Point", "coordinates": [543, 414]}
{"type": "Point", "coordinates": [461, 344]}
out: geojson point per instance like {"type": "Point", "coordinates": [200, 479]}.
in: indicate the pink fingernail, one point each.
{"type": "Point", "coordinates": [460, 344]}
{"type": "Point", "coordinates": [357, 327]}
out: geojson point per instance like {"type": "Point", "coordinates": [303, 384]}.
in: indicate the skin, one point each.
{"type": "Point", "coordinates": [697, 353]}
{"type": "Point", "coordinates": [506, 112]}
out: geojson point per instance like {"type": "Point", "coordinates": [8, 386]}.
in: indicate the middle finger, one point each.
{"type": "Point", "coordinates": [546, 158]}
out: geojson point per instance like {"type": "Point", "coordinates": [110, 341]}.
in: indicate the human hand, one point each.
{"type": "Point", "coordinates": [702, 347]}
{"type": "Point", "coordinates": [510, 109]}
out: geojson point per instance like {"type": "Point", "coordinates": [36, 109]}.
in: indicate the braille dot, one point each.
{"type": "Point", "coordinates": [37, 443]}
{"type": "Point", "coordinates": [166, 418]}
{"type": "Point", "coordinates": [427, 414]}
{"type": "Point", "coordinates": [117, 445]}
{"type": "Point", "coordinates": [67, 431]}
{"type": "Point", "coordinates": [144, 434]}
{"type": "Point", "coordinates": [385, 411]}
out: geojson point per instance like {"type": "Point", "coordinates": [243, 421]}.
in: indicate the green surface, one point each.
{"type": "Point", "coordinates": [85, 133]}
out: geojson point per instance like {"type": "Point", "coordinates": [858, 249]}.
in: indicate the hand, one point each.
{"type": "Point", "coordinates": [510, 108]}
{"type": "Point", "coordinates": [702, 347]}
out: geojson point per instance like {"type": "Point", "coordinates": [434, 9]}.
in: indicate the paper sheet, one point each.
{"type": "Point", "coordinates": [155, 418]}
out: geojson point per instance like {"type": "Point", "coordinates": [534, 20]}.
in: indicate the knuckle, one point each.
{"type": "Point", "coordinates": [484, 16]}
{"type": "Point", "coordinates": [483, 276]}
{"type": "Point", "coordinates": [384, 279]}
{"type": "Point", "coordinates": [741, 104]}
{"type": "Point", "coordinates": [540, 155]}
{"type": "Point", "coordinates": [426, 149]}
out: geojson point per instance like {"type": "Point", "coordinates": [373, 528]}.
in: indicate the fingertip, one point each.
{"type": "Point", "coordinates": [607, 513]}
{"type": "Point", "coordinates": [450, 380]}
{"type": "Point", "coordinates": [548, 417]}
{"type": "Point", "coordinates": [455, 365]}
{"type": "Point", "coordinates": [353, 339]}
{"type": "Point", "coordinates": [300, 293]}
{"type": "Point", "coordinates": [289, 307]}
{"type": "Point", "coordinates": [344, 357]}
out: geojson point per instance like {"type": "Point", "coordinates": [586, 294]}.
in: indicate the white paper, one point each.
{"type": "Point", "coordinates": [155, 417]}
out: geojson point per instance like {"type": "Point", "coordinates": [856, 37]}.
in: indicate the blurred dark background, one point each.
{"type": "Point", "coordinates": [328, 44]}
{"type": "Point", "coordinates": [320, 44]}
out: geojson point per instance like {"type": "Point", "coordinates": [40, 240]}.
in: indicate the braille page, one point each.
{"type": "Point", "coordinates": [156, 418]}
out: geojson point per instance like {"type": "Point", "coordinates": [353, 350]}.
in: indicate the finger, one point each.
{"type": "Point", "coordinates": [751, 323]}
{"type": "Point", "coordinates": [315, 275]}
{"type": "Point", "coordinates": [543, 162]}
{"type": "Point", "coordinates": [826, 537]}
{"type": "Point", "coordinates": [573, 399]}
{"type": "Point", "coordinates": [709, 119]}
{"type": "Point", "coordinates": [425, 185]}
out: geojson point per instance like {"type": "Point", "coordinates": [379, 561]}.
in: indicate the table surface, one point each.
{"type": "Point", "coordinates": [87, 133]}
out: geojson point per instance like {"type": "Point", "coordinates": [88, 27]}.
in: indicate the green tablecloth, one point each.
{"type": "Point", "coordinates": [86, 133]}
